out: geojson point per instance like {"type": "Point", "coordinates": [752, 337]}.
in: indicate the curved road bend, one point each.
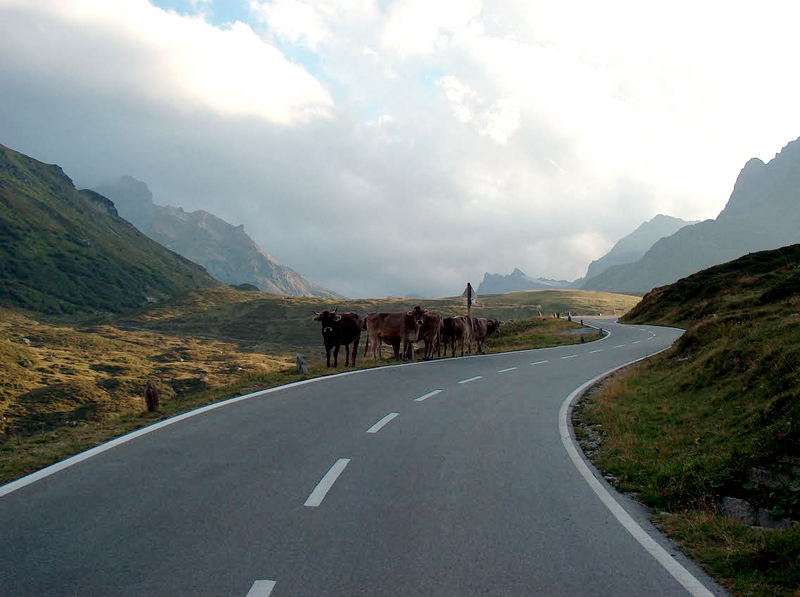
{"type": "Point", "coordinates": [443, 478]}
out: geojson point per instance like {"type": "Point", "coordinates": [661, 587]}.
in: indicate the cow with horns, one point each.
{"type": "Point", "coordinates": [340, 329]}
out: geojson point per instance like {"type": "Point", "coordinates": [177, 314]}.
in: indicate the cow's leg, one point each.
{"type": "Point", "coordinates": [336, 355]}
{"type": "Point", "coordinates": [355, 351]}
{"type": "Point", "coordinates": [328, 354]}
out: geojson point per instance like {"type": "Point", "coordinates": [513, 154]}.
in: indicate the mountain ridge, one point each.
{"type": "Point", "coordinates": [225, 250]}
{"type": "Point", "coordinates": [65, 251]}
{"type": "Point", "coordinates": [632, 247]}
{"type": "Point", "coordinates": [762, 213]}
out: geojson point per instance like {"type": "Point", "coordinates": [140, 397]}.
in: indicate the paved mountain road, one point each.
{"type": "Point", "coordinates": [442, 478]}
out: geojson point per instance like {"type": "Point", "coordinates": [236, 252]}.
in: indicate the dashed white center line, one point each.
{"type": "Point", "coordinates": [379, 425]}
{"type": "Point", "coordinates": [477, 377]}
{"type": "Point", "coordinates": [506, 369]}
{"type": "Point", "coordinates": [324, 486]}
{"type": "Point", "coordinates": [572, 356]}
{"type": "Point", "coordinates": [598, 350]}
{"type": "Point", "coordinates": [619, 345]}
{"type": "Point", "coordinates": [261, 588]}
{"type": "Point", "coordinates": [539, 362]}
{"type": "Point", "coordinates": [636, 342]}
{"type": "Point", "coordinates": [428, 395]}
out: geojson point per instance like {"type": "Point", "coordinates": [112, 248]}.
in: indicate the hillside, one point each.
{"type": "Point", "coordinates": [226, 251]}
{"type": "Point", "coordinates": [64, 251]}
{"type": "Point", "coordinates": [713, 425]}
{"type": "Point", "coordinates": [517, 280]}
{"type": "Point", "coordinates": [633, 247]}
{"type": "Point", "coordinates": [763, 212]}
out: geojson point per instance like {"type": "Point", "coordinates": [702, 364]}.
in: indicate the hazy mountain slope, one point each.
{"type": "Point", "coordinates": [67, 251]}
{"type": "Point", "coordinates": [226, 251]}
{"type": "Point", "coordinates": [762, 213]}
{"type": "Point", "coordinates": [517, 280]}
{"type": "Point", "coordinates": [632, 247]}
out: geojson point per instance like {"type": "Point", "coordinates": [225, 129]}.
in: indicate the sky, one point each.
{"type": "Point", "coordinates": [405, 147]}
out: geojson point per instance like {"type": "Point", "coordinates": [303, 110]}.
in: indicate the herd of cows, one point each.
{"type": "Point", "coordinates": [402, 329]}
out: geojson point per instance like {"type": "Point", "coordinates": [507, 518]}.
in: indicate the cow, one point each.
{"type": "Point", "coordinates": [339, 329]}
{"type": "Point", "coordinates": [431, 334]}
{"type": "Point", "coordinates": [482, 328]}
{"type": "Point", "coordinates": [394, 328]}
{"type": "Point", "coordinates": [456, 330]}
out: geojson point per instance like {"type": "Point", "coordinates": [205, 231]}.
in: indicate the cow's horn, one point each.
{"type": "Point", "coordinates": [316, 313]}
{"type": "Point", "coordinates": [334, 309]}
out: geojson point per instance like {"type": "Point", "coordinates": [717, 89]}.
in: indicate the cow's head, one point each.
{"type": "Point", "coordinates": [418, 313]}
{"type": "Point", "coordinates": [329, 320]}
{"type": "Point", "coordinates": [492, 325]}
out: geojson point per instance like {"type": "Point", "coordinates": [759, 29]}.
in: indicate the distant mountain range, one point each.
{"type": "Point", "coordinates": [65, 251]}
{"type": "Point", "coordinates": [517, 280]}
{"type": "Point", "coordinates": [226, 251]}
{"type": "Point", "coordinates": [633, 247]}
{"type": "Point", "coordinates": [763, 213]}
{"type": "Point", "coordinates": [627, 250]}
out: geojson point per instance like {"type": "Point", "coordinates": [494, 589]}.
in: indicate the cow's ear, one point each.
{"type": "Point", "coordinates": [337, 317]}
{"type": "Point", "coordinates": [411, 313]}
{"type": "Point", "coordinates": [317, 316]}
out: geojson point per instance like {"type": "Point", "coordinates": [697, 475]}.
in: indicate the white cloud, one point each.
{"type": "Point", "coordinates": [294, 20]}
{"type": "Point", "coordinates": [418, 27]}
{"type": "Point", "coordinates": [129, 47]}
{"type": "Point", "coordinates": [463, 98]}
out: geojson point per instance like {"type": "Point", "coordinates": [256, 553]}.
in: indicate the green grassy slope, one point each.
{"type": "Point", "coordinates": [64, 251]}
{"type": "Point", "coordinates": [716, 416]}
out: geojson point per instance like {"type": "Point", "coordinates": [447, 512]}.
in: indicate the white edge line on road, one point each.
{"type": "Point", "coordinates": [80, 457]}
{"type": "Point", "coordinates": [380, 424]}
{"type": "Point", "coordinates": [539, 362]}
{"type": "Point", "coordinates": [428, 395]}
{"type": "Point", "coordinates": [261, 588]}
{"type": "Point", "coordinates": [572, 356]}
{"type": "Point", "coordinates": [675, 568]}
{"type": "Point", "coordinates": [506, 369]}
{"type": "Point", "coordinates": [324, 486]}
{"type": "Point", "coordinates": [476, 378]}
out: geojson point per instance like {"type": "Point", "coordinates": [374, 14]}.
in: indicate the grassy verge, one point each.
{"type": "Point", "coordinates": [678, 442]}
{"type": "Point", "coordinates": [537, 333]}
{"type": "Point", "coordinates": [758, 562]}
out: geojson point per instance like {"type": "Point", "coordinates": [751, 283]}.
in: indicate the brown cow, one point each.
{"type": "Point", "coordinates": [482, 328]}
{"type": "Point", "coordinates": [431, 333]}
{"type": "Point", "coordinates": [338, 329]}
{"type": "Point", "coordinates": [456, 330]}
{"type": "Point", "coordinates": [394, 328]}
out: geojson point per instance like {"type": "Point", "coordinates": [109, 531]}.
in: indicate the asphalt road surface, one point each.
{"type": "Point", "coordinates": [445, 478]}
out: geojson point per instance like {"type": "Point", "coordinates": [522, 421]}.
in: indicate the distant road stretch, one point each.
{"type": "Point", "coordinates": [448, 477]}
